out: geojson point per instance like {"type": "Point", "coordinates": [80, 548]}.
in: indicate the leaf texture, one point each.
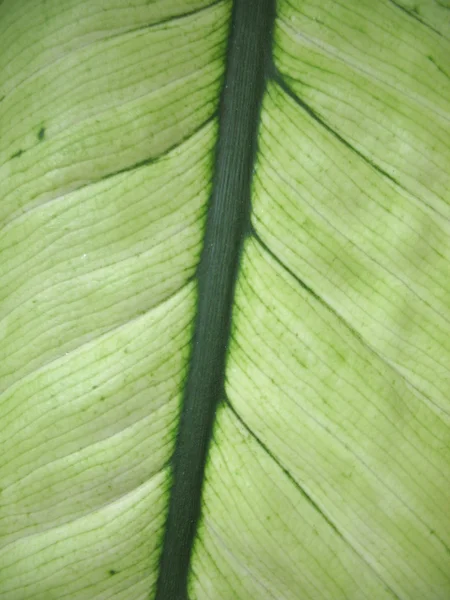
{"type": "Point", "coordinates": [327, 472]}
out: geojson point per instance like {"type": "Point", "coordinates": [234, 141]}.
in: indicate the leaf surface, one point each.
{"type": "Point", "coordinates": [323, 459]}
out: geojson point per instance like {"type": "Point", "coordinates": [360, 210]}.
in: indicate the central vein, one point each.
{"type": "Point", "coordinates": [227, 223]}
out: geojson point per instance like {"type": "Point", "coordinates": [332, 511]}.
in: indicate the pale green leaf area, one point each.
{"type": "Point", "coordinates": [114, 110]}
{"type": "Point", "coordinates": [344, 383]}
{"type": "Point", "coordinates": [435, 15]}
{"type": "Point", "coordinates": [37, 34]}
{"type": "Point", "coordinates": [97, 296]}
{"type": "Point", "coordinates": [328, 472]}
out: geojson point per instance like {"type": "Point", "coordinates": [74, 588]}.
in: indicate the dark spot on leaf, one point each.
{"type": "Point", "coordinates": [17, 154]}
{"type": "Point", "coordinates": [41, 134]}
{"type": "Point", "coordinates": [112, 572]}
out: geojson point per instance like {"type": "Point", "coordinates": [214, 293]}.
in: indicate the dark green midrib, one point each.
{"type": "Point", "coordinates": [249, 52]}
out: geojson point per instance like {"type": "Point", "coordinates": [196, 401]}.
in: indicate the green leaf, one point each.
{"type": "Point", "coordinates": [224, 299]}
